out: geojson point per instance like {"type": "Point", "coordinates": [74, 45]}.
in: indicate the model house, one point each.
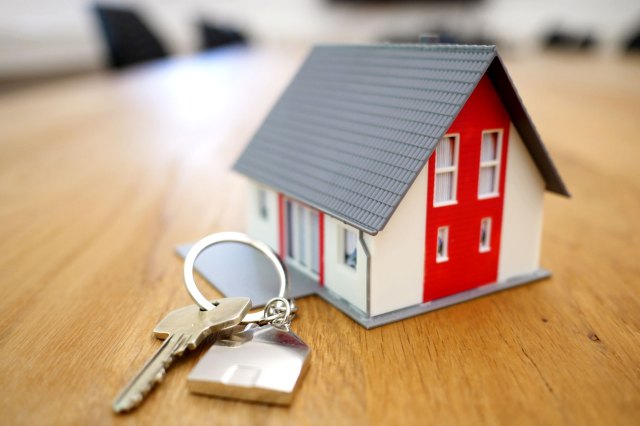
{"type": "Point", "coordinates": [401, 178]}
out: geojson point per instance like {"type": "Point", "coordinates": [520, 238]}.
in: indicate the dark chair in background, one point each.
{"type": "Point", "coordinates": [128, 38]}
{"type": "Point", "coordinates": [558, 39]}
{"type": "Point", "coordinates": [632, 43]}
{"type": "Point", "coordinates": [213, 36]}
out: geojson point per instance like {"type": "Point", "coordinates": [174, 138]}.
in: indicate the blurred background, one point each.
{"type": "Point", "coordinates": [49, 39]}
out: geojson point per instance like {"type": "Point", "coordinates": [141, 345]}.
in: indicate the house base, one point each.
{"type": "Point", "coordinates": [237, 271]}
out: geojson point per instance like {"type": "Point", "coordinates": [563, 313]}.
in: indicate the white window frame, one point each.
{"type": "Point", "coordinates": [484, 248]}
{"type": "Point", "coordinates": [445, 257]}
{"type": "Point", "coordinates": [342, 238]}
{"type": "Point", "coordinates": [305, 265]}
{"type": "Point", "coordinates": [454, 169]}
{"type": "Point", "coordinates": [491, 163]}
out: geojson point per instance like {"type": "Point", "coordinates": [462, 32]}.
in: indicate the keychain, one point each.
{"type": "Point", "coordinates": [263, 362]}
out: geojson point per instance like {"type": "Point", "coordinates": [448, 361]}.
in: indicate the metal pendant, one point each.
{"type": "Point", "coordinates": [262, 364]}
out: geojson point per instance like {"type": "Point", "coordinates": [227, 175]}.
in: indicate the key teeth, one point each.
{"type": "Point", "coordinates": [129, 404]}
{"type": "Point", "coordinates": [133, 400]}
{"type": "Point", "coordinates": [136, 399]}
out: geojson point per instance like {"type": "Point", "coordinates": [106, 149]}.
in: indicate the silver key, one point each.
{"type": "Point", "coordinates": [183, 328]}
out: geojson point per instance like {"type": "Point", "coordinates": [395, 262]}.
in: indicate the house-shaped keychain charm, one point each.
{"type": "Point", "coordinates": [398, 179]}
{"type": "Point", "coordinates": [262, 364]}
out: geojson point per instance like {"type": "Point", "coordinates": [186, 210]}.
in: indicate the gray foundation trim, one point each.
{"type": "Point", "coordinates": [369, 322]}
{"type": "Point", "coordinates": [212, 267]}
{"type": "Point", "coordinates": [378, 320]}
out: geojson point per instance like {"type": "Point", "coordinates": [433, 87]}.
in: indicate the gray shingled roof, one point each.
{"type": "Point", "coordinates": [357, 124]}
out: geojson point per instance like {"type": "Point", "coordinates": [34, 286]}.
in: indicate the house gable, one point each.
{"type": "Point", "coordinates": [466, 265]}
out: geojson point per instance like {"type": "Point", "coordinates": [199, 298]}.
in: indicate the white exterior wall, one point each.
{"type": "Point", "coordinates": [398, 251]}
{"type": "Point", "coordinates": [346, 282]}
{"type": "Point", "coordinates": [265, 230]}
{"type": "Point", "coordinates": [522, 215]}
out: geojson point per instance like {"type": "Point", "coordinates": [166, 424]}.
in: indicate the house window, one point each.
{"type": "Point", "coordinates": [350, 248]}
{"type": "Point", "coordinates": [289, 226]}
{"type": "Point", "coordinates": [442, 244]}
{"type": "Point", "coordinates": [315, 241]}
{"type": "Point", "coordinates": [489, 164]}
{"type": "Point", "coordinates": [446, 171]}
{"type": "Point", "coordinates": [263, 211]}
{"type": "Point", "coordinates": [485, 234]}
{"type": "Point", "coordinates": [301, 213]}
{"type": "Point", "coordinates": [302, 239]}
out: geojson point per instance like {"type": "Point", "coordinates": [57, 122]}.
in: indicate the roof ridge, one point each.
{"type": "Point", "coordinates": [418, 46]}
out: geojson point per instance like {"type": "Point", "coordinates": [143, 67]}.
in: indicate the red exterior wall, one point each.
{"type": "Point", "coordinates": [467, 267]}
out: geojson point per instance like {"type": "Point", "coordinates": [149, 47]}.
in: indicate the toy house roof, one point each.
{"type": "Point", "coordinates": [358, 123]}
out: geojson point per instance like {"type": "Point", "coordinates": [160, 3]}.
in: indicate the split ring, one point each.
{"type": "Point", "coordinates": [229, 237]}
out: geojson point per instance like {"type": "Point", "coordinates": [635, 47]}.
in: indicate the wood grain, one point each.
{"type": "Point", "coordinates": [101, 176]}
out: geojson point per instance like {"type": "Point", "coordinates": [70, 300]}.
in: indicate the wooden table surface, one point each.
{"type": "Point", "coordinates": [101, 176]}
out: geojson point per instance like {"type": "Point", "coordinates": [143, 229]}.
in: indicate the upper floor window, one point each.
{"type": "Point", "coordinates": [446, 175]}
{"type": "Point", "coordinates": [263, 209]}
{"type": "Point", "coordinates": [489, 164]}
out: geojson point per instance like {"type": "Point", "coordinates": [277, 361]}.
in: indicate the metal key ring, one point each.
{"type": "Point", "coordinates": [230, 237]}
